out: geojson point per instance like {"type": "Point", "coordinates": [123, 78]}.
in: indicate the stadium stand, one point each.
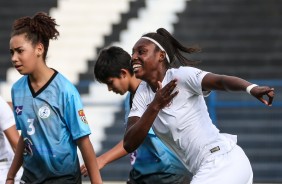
{"type": "Point", "coordinates": [237, 37]}
{"type": "Point", "coordinates": [9, 11]}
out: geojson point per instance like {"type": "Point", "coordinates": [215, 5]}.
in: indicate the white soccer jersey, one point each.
{"type": "Point", "coordinates": [184, 125]}
{"type": "Point", "coordinates": [6, 121]}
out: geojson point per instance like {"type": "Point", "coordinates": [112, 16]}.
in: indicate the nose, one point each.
{"type": "Point", "coordinates": [14, 58]}
{"type": "Point", "coordinates": [134, 57]}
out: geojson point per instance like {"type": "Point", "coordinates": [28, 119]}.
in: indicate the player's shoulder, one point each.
{"type": "Point", "coordinates": [143, 87]}
{"type": "Point", "coordinates": [185, 72]}
{"type": "Point", "coordinates": [63, 82]}
{"type": "Point", "coordinates": [184, 69]}
{"type": "Point", "coordinates": [20, 82]}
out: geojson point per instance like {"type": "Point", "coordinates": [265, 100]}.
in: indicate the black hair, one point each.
{"type": "Point", "coordinates": [109, 63]}
{"type": "Point", "coordinates": [172, 47]}
{"type": "Point", "coordinates": [38, 29]}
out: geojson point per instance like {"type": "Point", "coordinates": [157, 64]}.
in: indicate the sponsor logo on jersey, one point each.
{"type": "Point", "coordinates": [19, 110]}
{"type": "Point", "coordinates": [44, 112]}
{"type": "Point", "coordinates": [82, 116]}
{"type": "Point", "coordinates": [199, 73]}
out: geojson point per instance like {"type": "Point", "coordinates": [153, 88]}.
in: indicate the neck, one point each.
{"type": "Point", "coordinates": [153, 81]}
{"type": "Point", "coordinates": [134, 84]}
{"type": "Point", "coordinates": [41, 76]}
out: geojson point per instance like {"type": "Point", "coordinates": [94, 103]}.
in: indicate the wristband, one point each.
{"type": "Point", "coordinates": [250, 87]}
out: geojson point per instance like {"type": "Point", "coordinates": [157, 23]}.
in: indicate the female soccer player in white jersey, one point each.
{"type": "Point", "coordinates": [48, 111]}
{"type": "Point", "coordinates": [9, 137]}
{"type": "Point", "coordinates": [178, 112]}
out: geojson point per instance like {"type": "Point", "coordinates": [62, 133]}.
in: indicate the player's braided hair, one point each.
{"type": "Point", "coordinates": [173, 47]}
{"type": "Point", "coordinates": [38, 29]}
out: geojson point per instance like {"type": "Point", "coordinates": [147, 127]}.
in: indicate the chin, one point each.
{"type": "Point", "coordinates": [138, 76]}
{"type": "Point", "coordinates": [22, 73]}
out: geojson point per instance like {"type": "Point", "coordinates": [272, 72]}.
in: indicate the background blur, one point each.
{"type": "Point", "coordinates": [237, 37]}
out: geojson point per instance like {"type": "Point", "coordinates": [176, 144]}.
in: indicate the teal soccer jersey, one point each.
{"type": "Point", "coordinates": [50, 120]}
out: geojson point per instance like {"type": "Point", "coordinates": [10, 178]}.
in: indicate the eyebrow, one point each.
{"type": "Point", "coordinates": [17, 48]}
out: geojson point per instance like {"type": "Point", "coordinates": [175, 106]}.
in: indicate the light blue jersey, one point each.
{"type": "Point", "coordinates": [152, 156]}
{"type": "Point", "coordinates": [50, 121]}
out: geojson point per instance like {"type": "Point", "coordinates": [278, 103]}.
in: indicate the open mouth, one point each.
{"type": "Point", "coordinates": [18, 66]}
{"type": "Point", "coordinates": [136, 67]}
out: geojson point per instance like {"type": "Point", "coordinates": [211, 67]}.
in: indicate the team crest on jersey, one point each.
{"type": "Point", "coordinates": [82, 116]}
{"type": "Point", "coordinates": [19, 109]}
{"type": "Point", "coordinates": [28, 147]}
{"type": "Point", "coordinates": [44, 112]}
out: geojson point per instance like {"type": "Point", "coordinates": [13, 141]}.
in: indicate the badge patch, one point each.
{"type": "Point", "coordinates": [82, 116]}
{"type": "Point", "coordinates": [44, 112]}
{"type": "Point", "coordinates": [19, 110]}
{"type": "Point", "coordinates": [28, 147]}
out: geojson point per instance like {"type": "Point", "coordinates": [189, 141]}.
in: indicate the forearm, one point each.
{"type": "Point", "coordinates": [113, 154]}
{"type": "Point", "coordinates": [89, 158]}
{"type": "Point", "coordinates": [232, 83]}
{"type": "Point", "coordinates": [17, 161]}
{"type": "Point", "coordinates": [224, 83]}
{"type": "Point", "coordinates": [136, 133]}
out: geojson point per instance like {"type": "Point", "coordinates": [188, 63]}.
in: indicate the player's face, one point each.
{"type": "Point", "coordinates": [145, 59]}
{"type": "Point", "coordinates": [118, 85]}
{"type": "Point", "coordinates": [23, 54]}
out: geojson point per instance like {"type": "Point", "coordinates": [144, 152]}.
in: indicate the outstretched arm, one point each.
{"type": "Point", "coordinates": [113, 154]}
{"type": "Point", "coordinates": [230, 83]}
{"type": "Point", "coordinates": [138, 128]}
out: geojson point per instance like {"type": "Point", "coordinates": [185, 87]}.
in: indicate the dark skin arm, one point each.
{"type": "Point", "coordinates": [230, 83]}
{"type": "Point", "coordinates": [138, 127]}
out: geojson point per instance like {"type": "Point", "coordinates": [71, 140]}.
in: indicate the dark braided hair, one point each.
{"type": "Point", "coordinates": [173, 48]}
{"type": "Point", "coordinates": [38, 29]}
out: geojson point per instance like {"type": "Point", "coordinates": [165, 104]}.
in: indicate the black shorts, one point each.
{"type": "Point", "coordinates": [28, 178]}
{"type": "Point", "coordinates": [159, 178]}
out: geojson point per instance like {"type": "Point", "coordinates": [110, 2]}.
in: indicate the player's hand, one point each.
{"type": "Point", "coordinates": [83, 170]}
{"type": "Point", "coordinates": [165, 94]}
{"type": "Point", "coordinates": [260, 91]}
{"type": "Point", "coordinates": [10, 181]}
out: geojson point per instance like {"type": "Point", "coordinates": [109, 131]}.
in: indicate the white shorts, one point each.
{"type": "Point", "coordinates": [4, 168]}
{"type": "Point", "coordinates": [233, 168]}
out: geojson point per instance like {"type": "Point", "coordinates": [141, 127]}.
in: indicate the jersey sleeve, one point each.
{"type": "Point", "coordinates": [75, 116]}
{"type": "Point", "coordinates": [6, 115]}
{"type": "Point", "coordinates": [126, 108]}
{"type": "Point", "coordinates": [192, 78]}
{"type": "Point", "coordinates": [139, 104]}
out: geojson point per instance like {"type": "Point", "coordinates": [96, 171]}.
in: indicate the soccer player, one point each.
{"type": "Point", "coordinates": [48, 111]}
{"type": "Point", "coordinates": [178, 113]}
{"type": "Point", "coordinates": [9, 137]}
{"type": "Point", "coordinates": [152, 162]}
